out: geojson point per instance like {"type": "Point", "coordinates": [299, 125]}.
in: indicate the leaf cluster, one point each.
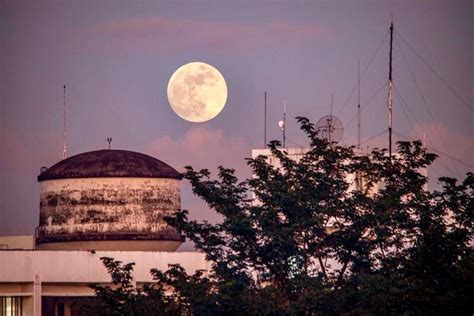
{"type": "Point", "coordinates": [301, 238]}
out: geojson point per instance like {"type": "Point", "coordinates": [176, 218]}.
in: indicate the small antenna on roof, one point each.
{"type": "Point", "coordinates": [282, 123]}
{"type": "Point", "coordinates": [332, 101]}
{"type": "Point", "coordinates": [358, 106]}
{"type": "Point", "coordinates": [109, 140]}
{"type": "Point", "coordinates": [64, 154]}
{"type": "Point", "coordinates": [329, 120]}
{"type": "Point", "coordinates": [265, 123]}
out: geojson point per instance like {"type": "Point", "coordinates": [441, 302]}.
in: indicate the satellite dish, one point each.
{"type": "Point", "coordinates": [329, 128]}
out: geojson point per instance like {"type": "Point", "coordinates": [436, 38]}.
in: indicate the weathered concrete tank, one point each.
{"type": "Point", "coordinates": [108, 200]}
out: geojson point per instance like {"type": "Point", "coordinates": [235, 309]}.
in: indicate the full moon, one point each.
{"type": "Point", "coordinates": [197, 92]}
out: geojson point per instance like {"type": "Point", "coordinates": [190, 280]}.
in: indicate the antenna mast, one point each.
{"type": "Point", "coordinates": [390, 93]}
{"type": "Point", "coordinates": [64, 154]}
{"type": "Point", "coordinates": [284, 122]}
{"type": "Point", "coordinates": [358, 106]}
{"type": "Point", "coordinates": [265, 123]}
{"type": "Point", "coordinates": [358, 176]}
{"type": "Point", "coordinates": [330, 122]}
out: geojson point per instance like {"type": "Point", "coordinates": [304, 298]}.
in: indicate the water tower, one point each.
{"type": "Point", "coordinates": [108, 200]}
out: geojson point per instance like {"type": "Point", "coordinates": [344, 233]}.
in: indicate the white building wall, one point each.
{"type": "Point", "coordinates": [297, 154]}
{"type": "Point", "coordinates": [33, 274]}
{"type": "Point", "coordinates": [86, 266]}
{"type": "Point", "coordinates": [24, 242]}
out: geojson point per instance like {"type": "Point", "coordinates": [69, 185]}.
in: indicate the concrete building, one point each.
{"type": "Point", "coordinates": [297, 154]}
{"type": "Point", "coordinates": [106, 203]}
{"type": "Point", "coordinates": [43, 282]}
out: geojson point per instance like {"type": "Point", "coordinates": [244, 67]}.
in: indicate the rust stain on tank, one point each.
{"type": "Point", "coordinates": [108, 205]}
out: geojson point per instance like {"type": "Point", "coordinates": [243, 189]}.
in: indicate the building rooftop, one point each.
{"type": "Point", "coordinates": [109, 163]}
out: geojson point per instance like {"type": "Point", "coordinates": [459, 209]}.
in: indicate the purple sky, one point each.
{"type": "Point", "coordinates": [116, 58]}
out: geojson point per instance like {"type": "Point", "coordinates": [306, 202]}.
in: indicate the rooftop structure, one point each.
{"type": "Point", "coordinates": [105, 203]}
{"type": "Point", "coordinates": [109, 163]}
{"type": "Point", "coordinates": [108, 200]}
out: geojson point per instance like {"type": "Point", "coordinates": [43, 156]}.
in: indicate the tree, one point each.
{"type": "Point", "coordinates": [311, 244]}
{"type": "Point", "coordinates": [191, 294]}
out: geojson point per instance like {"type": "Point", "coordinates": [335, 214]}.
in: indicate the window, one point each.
{"type": "Point", "coordinates": [10, 306]}
{"type": "Point", "coordinates": [61, 309]}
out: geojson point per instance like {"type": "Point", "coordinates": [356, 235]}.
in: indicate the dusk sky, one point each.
{"type": "Point", "coordinates": [116, 58]}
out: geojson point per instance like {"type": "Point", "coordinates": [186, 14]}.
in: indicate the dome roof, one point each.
{"type": "Point", "coordinates": [109, 163]}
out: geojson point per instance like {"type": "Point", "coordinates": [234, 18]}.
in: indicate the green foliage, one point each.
{"type": "Point", "coordinates": [190, 294]}
{"type": "Point", "coordinates": [310, 243]}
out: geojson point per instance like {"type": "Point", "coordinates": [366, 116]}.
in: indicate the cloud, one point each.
{"type": "Point", "coordinates": [155, 33]}
{"type": "Point", "coordinates": [201, 147]}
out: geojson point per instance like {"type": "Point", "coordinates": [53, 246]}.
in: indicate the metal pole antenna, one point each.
{"type": "Point", "coordinates": [330, 122]}
{"type": "Point", "coordinates": [265, 123]}
{"type": "Point", "coordinates": [64, 155]}
{"type": "Point", "coordinates": [390, 93]}
{"type": "Point", "coordinates": [284, 122]}
{"type": "Point", "coordinates": [358, 173]}
{"type": "Point", "coordinates": [358, 106]}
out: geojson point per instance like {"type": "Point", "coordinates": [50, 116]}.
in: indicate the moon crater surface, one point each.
{"type": "Point", "coordinates": [197, 92]}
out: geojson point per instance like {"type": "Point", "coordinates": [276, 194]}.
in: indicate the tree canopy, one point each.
{"type": "Point", "coordinates": [302, 239]}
